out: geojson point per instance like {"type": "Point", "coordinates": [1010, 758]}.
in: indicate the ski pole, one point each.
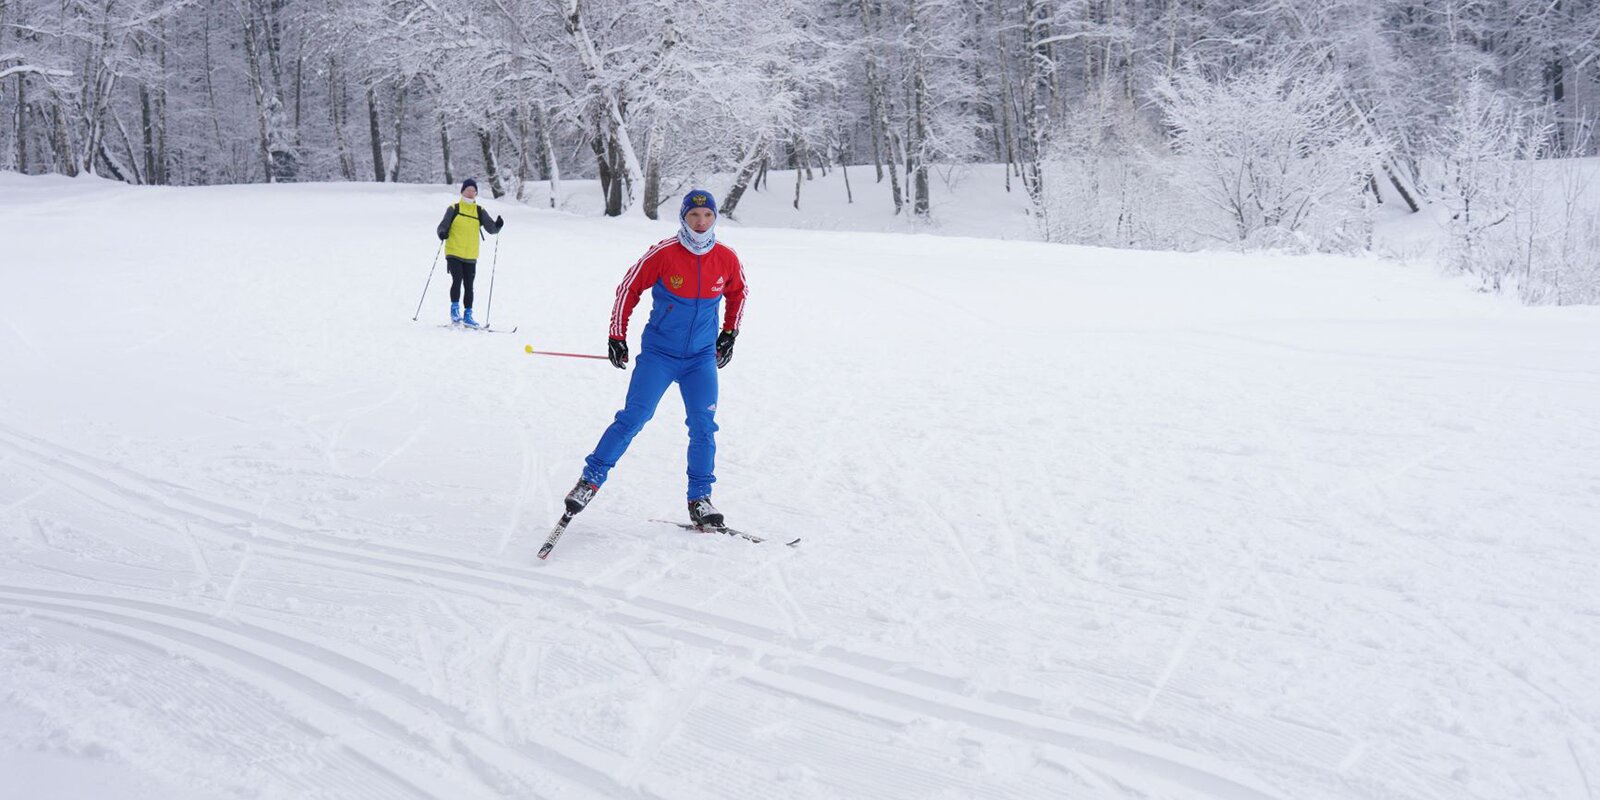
{"type": "Point", "coordinates": [529, 349]}
{"type": "Point", "coordinates": [489, 309]}
{"type": "Point", "coordinates": [430, 281]}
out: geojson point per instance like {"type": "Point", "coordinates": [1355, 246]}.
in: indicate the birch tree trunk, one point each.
{"type": "Point", "coordinates": [893, 160]}
{"type": "Point", "coordinates": [490, 165]}
{"type": "Point", "coordinates": [876, 114]}
{"type": "Point", "coordinates": [444, 146]}
{"type": "Point", "coordinates": [98, 82]}
{"type": "Point", "coordinates": [547, 158]}
{"type": "Point", "coordinates": [125, 171]}
{"type": "Point", "coordinates": [1035, 96]}
{"type": "Point", "coordinates": [211, 88]}
{"type": "Point", "coordinates": [615, 201]}
{"type": "Point", "coordinates": [880, 122]}
{"type": "Point", "coordinates": [258, 88]}
{"type": "Point", "coordinates": [797, 183]}
{"type": "Point", "coordinates": [1008, 95]}
{"type": "Point", "coordinates": [147, 127]}
{"type": "Point", "coordinates": [336, 111]}
{"type": "Point", "coordinates": [652, 173]}
{"type": "Point", "coordinates": [920, 102]}
{"type": "Point", "coordinates": [147, 114]}
{"type": "Point", "coordinates": [608, 176]}
{"type": "Point", "coordinates": [376, 133]}
{"type": "Point", "coordinates": [20, 118]}
{"type": "Point", "coordinates": [61, 143]}
{"type": "Point", "coordinates": [21, 159]}
{"type": "Point", "coordinates": [400, 130]}
{"type": "Point", "coordinates": [22, 123]}
{"type": "Point", "coordinates": [747, 169]}
{"type": "Point", "coordinates": [263, 40]}
{"type": "Point", "coordinates": [163, 169]}
{"type": "Point", "coordinates": [524, 163]}
{"type": "Point", "coordinates": [614, 120]}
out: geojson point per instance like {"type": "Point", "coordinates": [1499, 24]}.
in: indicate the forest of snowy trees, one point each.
{"type": "Point", "coordinates": [1148, 123]}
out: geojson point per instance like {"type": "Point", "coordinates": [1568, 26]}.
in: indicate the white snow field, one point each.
{"type": "Point", "coordinates": [1077, 523]}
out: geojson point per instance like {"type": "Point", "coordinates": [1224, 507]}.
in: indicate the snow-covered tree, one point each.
{"type": "Point", "coordinates": [1080, 99]}
{"type": "Point", "coordinates": [1274, 150]}
{"type": "Point", "coordinates": [1103, 183]}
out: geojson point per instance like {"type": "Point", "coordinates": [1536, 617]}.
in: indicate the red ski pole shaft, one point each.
{"type": "Point", "coordinates": [529, 349]}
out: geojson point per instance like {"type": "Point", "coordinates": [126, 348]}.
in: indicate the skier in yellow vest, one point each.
{"type": "Point", "coordinates": [463, 227]}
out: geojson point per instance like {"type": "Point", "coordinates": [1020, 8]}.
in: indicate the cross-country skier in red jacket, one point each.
{"type": "Point", "coordinates": [688, 276]}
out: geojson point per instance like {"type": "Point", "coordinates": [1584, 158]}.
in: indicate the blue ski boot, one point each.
{"type": "Point", "coordinates": [455, 313]}
{"type": "Point", "coordinates": [467, 320]}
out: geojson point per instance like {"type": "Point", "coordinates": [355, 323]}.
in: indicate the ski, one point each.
{"type": "Point", "coordinates": [479, 328]}
{"type": "Point", "coordinates": [724, 530]}
{"type": "Point", "coordinates": [555, 535]}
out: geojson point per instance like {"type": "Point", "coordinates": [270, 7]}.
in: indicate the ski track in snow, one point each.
{"type": "Point", "coordinates": [1099, 524]}
{"type": "Point", "coordinates": [822, 681]}
{"type": "Point", "coordinates": [163, 502]}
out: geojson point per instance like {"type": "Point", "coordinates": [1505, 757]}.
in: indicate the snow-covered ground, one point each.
{"type": "Point", "coordinates": [1077, 523]}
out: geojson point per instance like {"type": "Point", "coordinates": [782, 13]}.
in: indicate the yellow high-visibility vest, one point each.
{"type": "Point", "coordinates": [464, 235]}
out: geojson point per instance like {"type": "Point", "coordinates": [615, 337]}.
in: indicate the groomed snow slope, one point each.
{"type": "Point", "coordinates": [1078, 523]}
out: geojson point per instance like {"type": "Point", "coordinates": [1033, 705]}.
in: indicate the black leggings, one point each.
{"type": "Point", "coordinates": [461, 272]}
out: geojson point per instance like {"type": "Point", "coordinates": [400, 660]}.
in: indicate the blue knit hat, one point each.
{"type": "Point", "coordinates": [473, 182]}
{"type": "Point", "coordinates": [697, 198]}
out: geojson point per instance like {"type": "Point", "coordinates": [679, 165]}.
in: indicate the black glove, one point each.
{"type": "Point", "coordinates": [617, 352]}
{"type": "Point", "coordinates": [499, 222]}
{"type": "Point", "coordinates": [725, 347]}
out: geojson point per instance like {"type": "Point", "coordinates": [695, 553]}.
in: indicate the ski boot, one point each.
{"type": "Point", "coordinates": [579, 497]}
{"type": "Point", "coordinates": [705, 515]}
{"type": "Point", "coordinates": [455, 313]}
{"type": "Point", "coordinates": [467, 320]}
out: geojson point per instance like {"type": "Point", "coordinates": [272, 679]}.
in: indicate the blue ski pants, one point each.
{"type": "Point", "coordinates": [653, 372]}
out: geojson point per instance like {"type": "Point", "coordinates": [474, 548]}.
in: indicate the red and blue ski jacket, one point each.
{"type": "Point", "coordinates": [684, 292]}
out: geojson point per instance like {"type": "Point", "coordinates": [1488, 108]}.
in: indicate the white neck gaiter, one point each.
{"type": "Point", "coordinates": [698, 243]}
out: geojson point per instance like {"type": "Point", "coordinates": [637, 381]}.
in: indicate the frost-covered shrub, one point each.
{"type": "Point", "coordinates": [1487, 193]}
{"type": "Point", "coordinates": [1516, 221]}
{"type": "Point", "coordinates": [1276, 153]}
{"type": "Point", "coordinates": [1101, 184]}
